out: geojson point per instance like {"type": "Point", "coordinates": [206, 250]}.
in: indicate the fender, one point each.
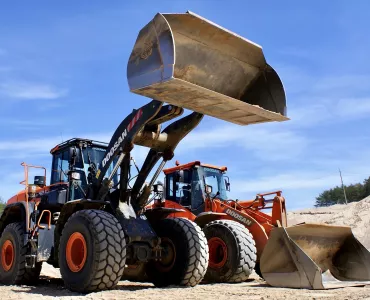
{"type": "Point", "coordinates": [205, 217]}
{"type": "Point", "coordinates": [15, 212]}
{"type": "Point", "coordinates": [71, 207]}
{"type": "Point", "coordinates": [68, 209]}
{"type": "Point", "coordinates": [159, 213]}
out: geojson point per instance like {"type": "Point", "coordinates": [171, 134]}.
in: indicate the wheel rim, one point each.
{"type": "Point", "coordinates": [76, 252]}
{"type": "Point", "coordinates": [217, 252]}
{"type": "Point", "coordinates": [168, 260]}
{"type": "Point", "coordinates": [7, 255]}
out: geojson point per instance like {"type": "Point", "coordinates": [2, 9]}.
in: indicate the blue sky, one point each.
{"type": "Point", "coordinates": [63, 74]}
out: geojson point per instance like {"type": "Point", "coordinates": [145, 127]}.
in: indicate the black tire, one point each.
{"type": "Point", "coordinates": [237, 257]}
{"type": "Point", "coordinates": [105, 247]}
{"type": "Point", "coordinates": [136, 273]}
{"type": "Point", "coordinates": [191, 254]}
{"type": "Point", "coordinates": [18, 273]}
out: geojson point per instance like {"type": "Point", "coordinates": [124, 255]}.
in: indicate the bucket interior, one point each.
{"type": "Point", "coordinates": [297, 256]}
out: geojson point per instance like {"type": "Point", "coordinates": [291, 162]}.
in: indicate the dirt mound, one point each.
{"type": "Point", "coordinates": [355, 214]}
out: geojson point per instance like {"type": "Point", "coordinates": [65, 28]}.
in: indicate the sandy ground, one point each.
{"type": "Point", "coordinates": [356, 215]}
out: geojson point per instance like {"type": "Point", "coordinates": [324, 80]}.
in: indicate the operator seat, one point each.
{"type": "Point", "coordinates": [186, 199]}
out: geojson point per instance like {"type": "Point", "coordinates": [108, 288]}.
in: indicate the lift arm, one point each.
{"type": "Point", "coordinates": [164, 148]}
{"type": "Point", "coordinates": [142, 127]}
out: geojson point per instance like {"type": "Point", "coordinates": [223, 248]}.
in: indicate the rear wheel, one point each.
{"type": "Point", "coordinates": [232, 251]}
{"type": "Point", "coordinates": [185, 252]}
{"type": "Point", "coordinates": [92, 251]}
{"type": "Point", "coordinates": [13, 257]}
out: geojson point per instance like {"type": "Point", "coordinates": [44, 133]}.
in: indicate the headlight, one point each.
{"type": "Point", "coordinates": [32, 190]}
{"type": "Point", "coordinates": [76, 176]}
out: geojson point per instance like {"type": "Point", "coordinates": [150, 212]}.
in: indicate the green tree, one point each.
{"type": "Point", "coordinates": [2, 204]}
{"type": "Point", "coordinates": [354, 193]}
{"type": "Point", "coordinates": [330, 197]}
{"type": "Point", "coordinates": [366, 190]}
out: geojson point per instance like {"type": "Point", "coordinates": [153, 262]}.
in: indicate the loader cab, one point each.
{"type": "Point", "coordinates": [191, 184]}
{"type": "Point", "coordinates": [79, 153]}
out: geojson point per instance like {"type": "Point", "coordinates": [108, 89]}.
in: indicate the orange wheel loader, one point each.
{"type": "Point", "coordinates": [295, 256]}
{"type": "Point", "coordinates": [90, 221]}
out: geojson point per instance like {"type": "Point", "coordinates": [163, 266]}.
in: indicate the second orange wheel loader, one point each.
{"type": "Point", "coordinates": [287, 256]}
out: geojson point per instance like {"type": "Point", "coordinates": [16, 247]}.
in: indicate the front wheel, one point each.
{"type": "Point", "coordinates": [92, 251]}
{"type": "Point", "coordinates": [232, 252]}
{"type": "Point", "coordinates": [185, 254]}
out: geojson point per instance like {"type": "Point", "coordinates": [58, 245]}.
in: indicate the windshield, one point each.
{"type": "Point", "coordinates": [61, 164]}
{"type": "Point", "coordinates": [95, 155]}
{"type": "Point", "coordinates": [216, 180]}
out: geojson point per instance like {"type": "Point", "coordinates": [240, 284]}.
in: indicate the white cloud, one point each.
{"type": "Point", "coordinates": [22, 124]}
{"type": "Point", "coordinates": [303, 182]}
{"type": "Point", "coordinates": [26, 90]}
{"type": "Point", "coordinates": [337, 84]}
{"type": "Point", "coordinates": [271, 142]}
{"type": "Point", "coordinates": [329, 110]}
{"type": "Point", "coordinates": [353, 107]}
{"type": "Point", "coordinates": [287, 181]}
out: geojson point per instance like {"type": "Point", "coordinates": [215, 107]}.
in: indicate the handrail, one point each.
{"type": "Point", "coordinates": [25, 182]}
{"type": "Point", "coordinates": [49, 221]}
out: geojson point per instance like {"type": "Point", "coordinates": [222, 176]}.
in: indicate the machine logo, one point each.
{"type": "Point", "coordinates": [238, 216]}
{"type": "Point", "coordinates": [121, 138]}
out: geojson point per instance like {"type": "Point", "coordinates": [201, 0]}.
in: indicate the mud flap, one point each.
{"type": "Point", "coordinates": [190, 62]}
{"type": "Point", "coordinates": [298, 256]}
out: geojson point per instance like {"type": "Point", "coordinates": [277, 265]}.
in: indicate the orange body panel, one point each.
{"type": "Point", "coordinates": [22, 195]}
{"type": "Point", "coordinates": [247, 213]}
{"type": "Point", "coordinates": [171, 204]}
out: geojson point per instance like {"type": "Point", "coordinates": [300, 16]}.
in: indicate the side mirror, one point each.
{"type": "Point", "coordinates": [227, 184]}
{"type": "Point", "coordinates": [209, 189]}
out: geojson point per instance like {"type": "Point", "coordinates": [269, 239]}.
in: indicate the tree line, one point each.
{"type": "Point", "coordinates": [2, 204]}
{"type": "Point", "coordinates": [354, 192]}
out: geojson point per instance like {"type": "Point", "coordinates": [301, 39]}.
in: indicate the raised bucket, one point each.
{"type": "Point", "coordinates": [188, 61]}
